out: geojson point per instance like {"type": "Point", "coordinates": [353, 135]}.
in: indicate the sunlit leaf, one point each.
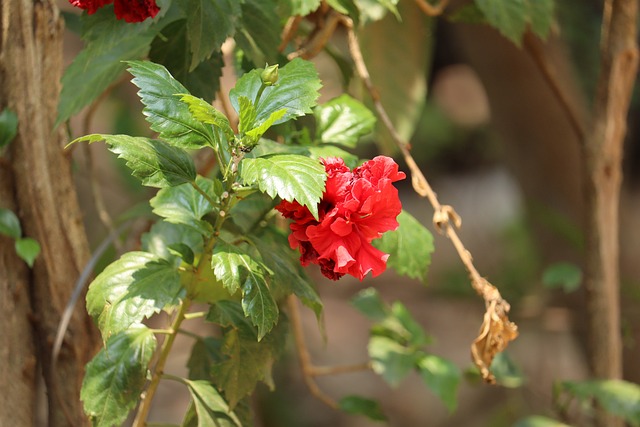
{"type": "Point", "coordinates": [27, 249]}
{"type": "Point", "coordinates": [508, 17]}
{"type": "Point", "coordinates": [442, 377]}
{"type": "Point", "coordinates": [390, 359]}
{"type": "Point", "coordinates": [210, 407]}
{"type": "Point", "coordinates": [343, 120]}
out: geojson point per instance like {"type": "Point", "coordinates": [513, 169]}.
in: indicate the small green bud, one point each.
{"type": "Point", "coordinates": [269, 75]}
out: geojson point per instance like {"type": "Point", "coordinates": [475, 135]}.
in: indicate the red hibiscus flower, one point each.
{"type": "Point", "coordinates": [129, 10]}
{"type": "Point", "coordinates": [356, 208]}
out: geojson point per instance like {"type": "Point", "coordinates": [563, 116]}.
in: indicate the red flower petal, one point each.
{"type": "Point", "coordinates": [90, 5]}
{"type": "Point", "coordinates": [135, 10]}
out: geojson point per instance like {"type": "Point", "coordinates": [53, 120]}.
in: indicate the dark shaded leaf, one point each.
{"type": "Point", "coordinates": [358, 405]}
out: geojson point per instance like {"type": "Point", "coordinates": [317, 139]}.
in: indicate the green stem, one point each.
{"type": "Point", "coordinates": [145, 405]}
{"type": "Point", "coordinates": [202, 192]}
{"type": "Point", "coordinates": [259, 94]}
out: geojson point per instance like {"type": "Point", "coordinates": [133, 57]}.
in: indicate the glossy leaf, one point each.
{"type": "Point", "coordinates": [210, 407]}
{"type": "Point", "coordinates": [231, 314]}
{"type": "Point", "coordinates": [258, 303]}
{"type": "Point", "coordinates": [539, 421]}
{"type": "Point", "coordinates": [206, 113]}
{"type": "Point", "coordinates": [8, 127]}
{"type": "Point", "coordinates": [563, 275]}
{"type": "Point", "coordinates": [116, 376]}
{"type": "Point", "coordinates": [247, 114]}
{"type": "Point", "coordinates": [167, 115]}
{"type": "Point", "coordinates": [442, 377]}
{"type": "Point", "coordinates": [358, 405]}
{"type": "Point", "coordinates": [154, 162]}
{"type": "Point", "coordinates": [9, 224]}
{"type": "Point", "coordinates": [27, 249]}
{"type": "Point", "coordinates": [257, 132]}
{"type": "Point", "coordinates": [296, 91]}
{"type": "Point", "coordinates": [400, 74]}
{"type": "Point", "coordinates": [259, 29]}
{"type": "Point", "coordinates": [250, 211]}
{"type": "Point", "coordinates": [369, 303]}
{"type": "Point", "coordinates": [171, 49]}
{"type": "Point", "coordinates": [390, 359]}
{"type": "Point", "coordinates": [108, 41]}
{"type": "Point", "coordinates": [289, 176]}
{"type": "Point", "coordinates": [163, 235]}
{"type": "Point", "coordinates": [343, 120]}
{"type": "Point", "coordinates": [618, 397]}
{"type": "Point", "coordinates": [131, 289]}
{"type": "Point", "coordinates": [183, 204]}
{"type": "Point", "coordinates": [410, 247]}
{"type": "Point", "coordinates": [231, 264]}
{"type": "Point", "coordinates": [209, 23]}
{"type": "Point", "coordinates": [508, 17]}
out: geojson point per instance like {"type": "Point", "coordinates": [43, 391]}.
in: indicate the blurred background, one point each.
{"type": "Point", "coordinates": [493, 142]}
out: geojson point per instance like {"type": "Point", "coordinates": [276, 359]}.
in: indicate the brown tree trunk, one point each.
{"type": "Point", "coordinates": [30, 68]}
{"type": "Point", "coordinates": [603, 160]}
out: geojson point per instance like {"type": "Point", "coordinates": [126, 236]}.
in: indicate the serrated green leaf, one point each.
{"type": "Point", "coordinates": [539, 421]}
{"type": "Point", "coordinates": [231, 314]}
{"type": "Point", "coordinates": [27, 249]}
{"type": "Point", "coordinates": [210, 407]}
{"type": "Point", "coordinates": [296, 91]}
{"type": "Point", "coordinates": [246, 114]}
{"type": "Point", "coordinates": [343, 120]}
{"type": "Point", "coordinates": [167, 115]}
{"type": "Point", "coordinates": [563, 275]}
{"type": "Point", "coordinates": [508, 17]}
{"type": "Point", "coordinates": [289, 176]}
{"type": "Point", "coordinates": [209, 23]}
{"type": "Point", "coordinates": [109, 41]}
{"type": "Point", "coordinates": [390, 359]}
{"type": "Point", "coordinates": [442, 377]}
{"type": "Point", "coordinates": [540, 14]}
{"type": "Point", "coordinates": [8, 127]}
{"type": "Point", "coordinates": [410, 247]}
{"type": "Point", "coordinates": [250, 211]}
{"type": "Point", "coordinates": [231, 265]}
{"type": "Point", "coordinates": [618, 397]}
{"type": "Point", "coordinates": [204, 354]}
{"type": "Point", "coordinates": [248, 362]}
{"type": "Point", "coordinates": [183, 204]}
{"type": "Point", "coordinates": [154, 162]}
{"type": "Point", "coordinates": [116, 376]}
{"type": "Point", "coordinates": [258, 303]}
{"type": "Point", "coordinates": [164, 234]}
{"type": "Point", "coordinates": [369, 303]}
{"type": "Point", "coordinates": [358, 405]}
{"type": "Point", "coordinates": [9, 224]}
{"type": "Point", "coordinates": [259, 29]}
{"type": "Point", "coordinates": [134, 287]}
{"type": "Point", "coordinates": [171, 49]}
{"type": "Point", "coordinates": [257, 132]}
{"type": "Point", "coordinates": [206, 113]}
{"type": "Point", "coordinates": [182, 251]}
{"type": "Point", "coordinates": [400, 75]}
{"type": "Point", "coordinates": [304, 7]}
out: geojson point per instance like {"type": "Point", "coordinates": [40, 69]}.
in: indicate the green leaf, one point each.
{"type": "Point", "coordinates": [130, 289]}
{"type": "Point", "coordinates": [324, 151]}
{"type": "Point", "coordinates": [237, 269]}
{"type": "Point", "coordinates": [168, 116]}
{"type": "Point", "coordinates": [8, 127]}
{"type": "Point", "coordinates": [390, 359]}
{"type": "Point", "coordinates": [539, 421]}
{"type": "Point", "coordinates": [27, 249]}
{"type": "Point", "coordinates": [171, 49]}
{"type": "Point", "coordinates": [304, 7]}
{"type": "Point", "coordinates": [250, 211]}
{"type": "Point", "coordinates": [246, 114]}
{"type": "Point", "coordinates": [346, 7]}
{"type": "Point", "coordinates": [256, 133]}
{"type": "Point", "coordinates": [563, 275]}
{"type": "Point", "coordinates": [400, 326]}
{"type": "Point", "coordinates": [109, 41]}
{"type": "Point", "coordinates": [154, 162]}
{"type": "Point", "coordinates": [620, 398]}
{"type": "Point", "coordinates": [228, 313]}
{"type": "Point", "coordinates": [163, 235]}
{"type": "Point", "coordinates": [206, 113]}
{"type": "Point", "coordinates": [183, 204]}
{"type": "Point", "coordinates": [248, 362]}
{"type": "Point", "coordinates": [343, 120]}
{"type": "Point", "coordinates": [400, 75]}
{"type": "Point", "coordinates": [296, 91]}
{"type": "Point", "coordinates": [289, 176]}
{"type": "Point", "coordinates": [410, 247]}
{"type": "Point", "coordinates": [116, 376]}
{"type": "Point", "coordinates": [358, 405]}
{"type": "Point", "coordinates": [9, 224]}
{"type": "Point", "coordinates": [507, 373]}
{"type": "Point", "coordinates": [258, 33]}
{"type": "Point", "coordinates": [469, 13]}
{"type": "Point", "coordinates": [442, 377]}
{"type": "Point", "coordinates": [209, 405]}
{"type": "Point", "coordinates": [369, 303]}
{"type": "Point", "coordinates": [541, 13]}
{"type": "Point", "coordinates": [204, 354]}
{"type": "Point", "coordinates": [508, 17]}
{"type": "Point", "coordinates": [209, 23]}
{"type": "Point", "coordinates": [182, 251]}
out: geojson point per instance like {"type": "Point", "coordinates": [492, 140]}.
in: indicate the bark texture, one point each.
{"type": "Point", "coordinates": [18, 361]}
{"type": "Point", "coordinates": [31, 67]}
